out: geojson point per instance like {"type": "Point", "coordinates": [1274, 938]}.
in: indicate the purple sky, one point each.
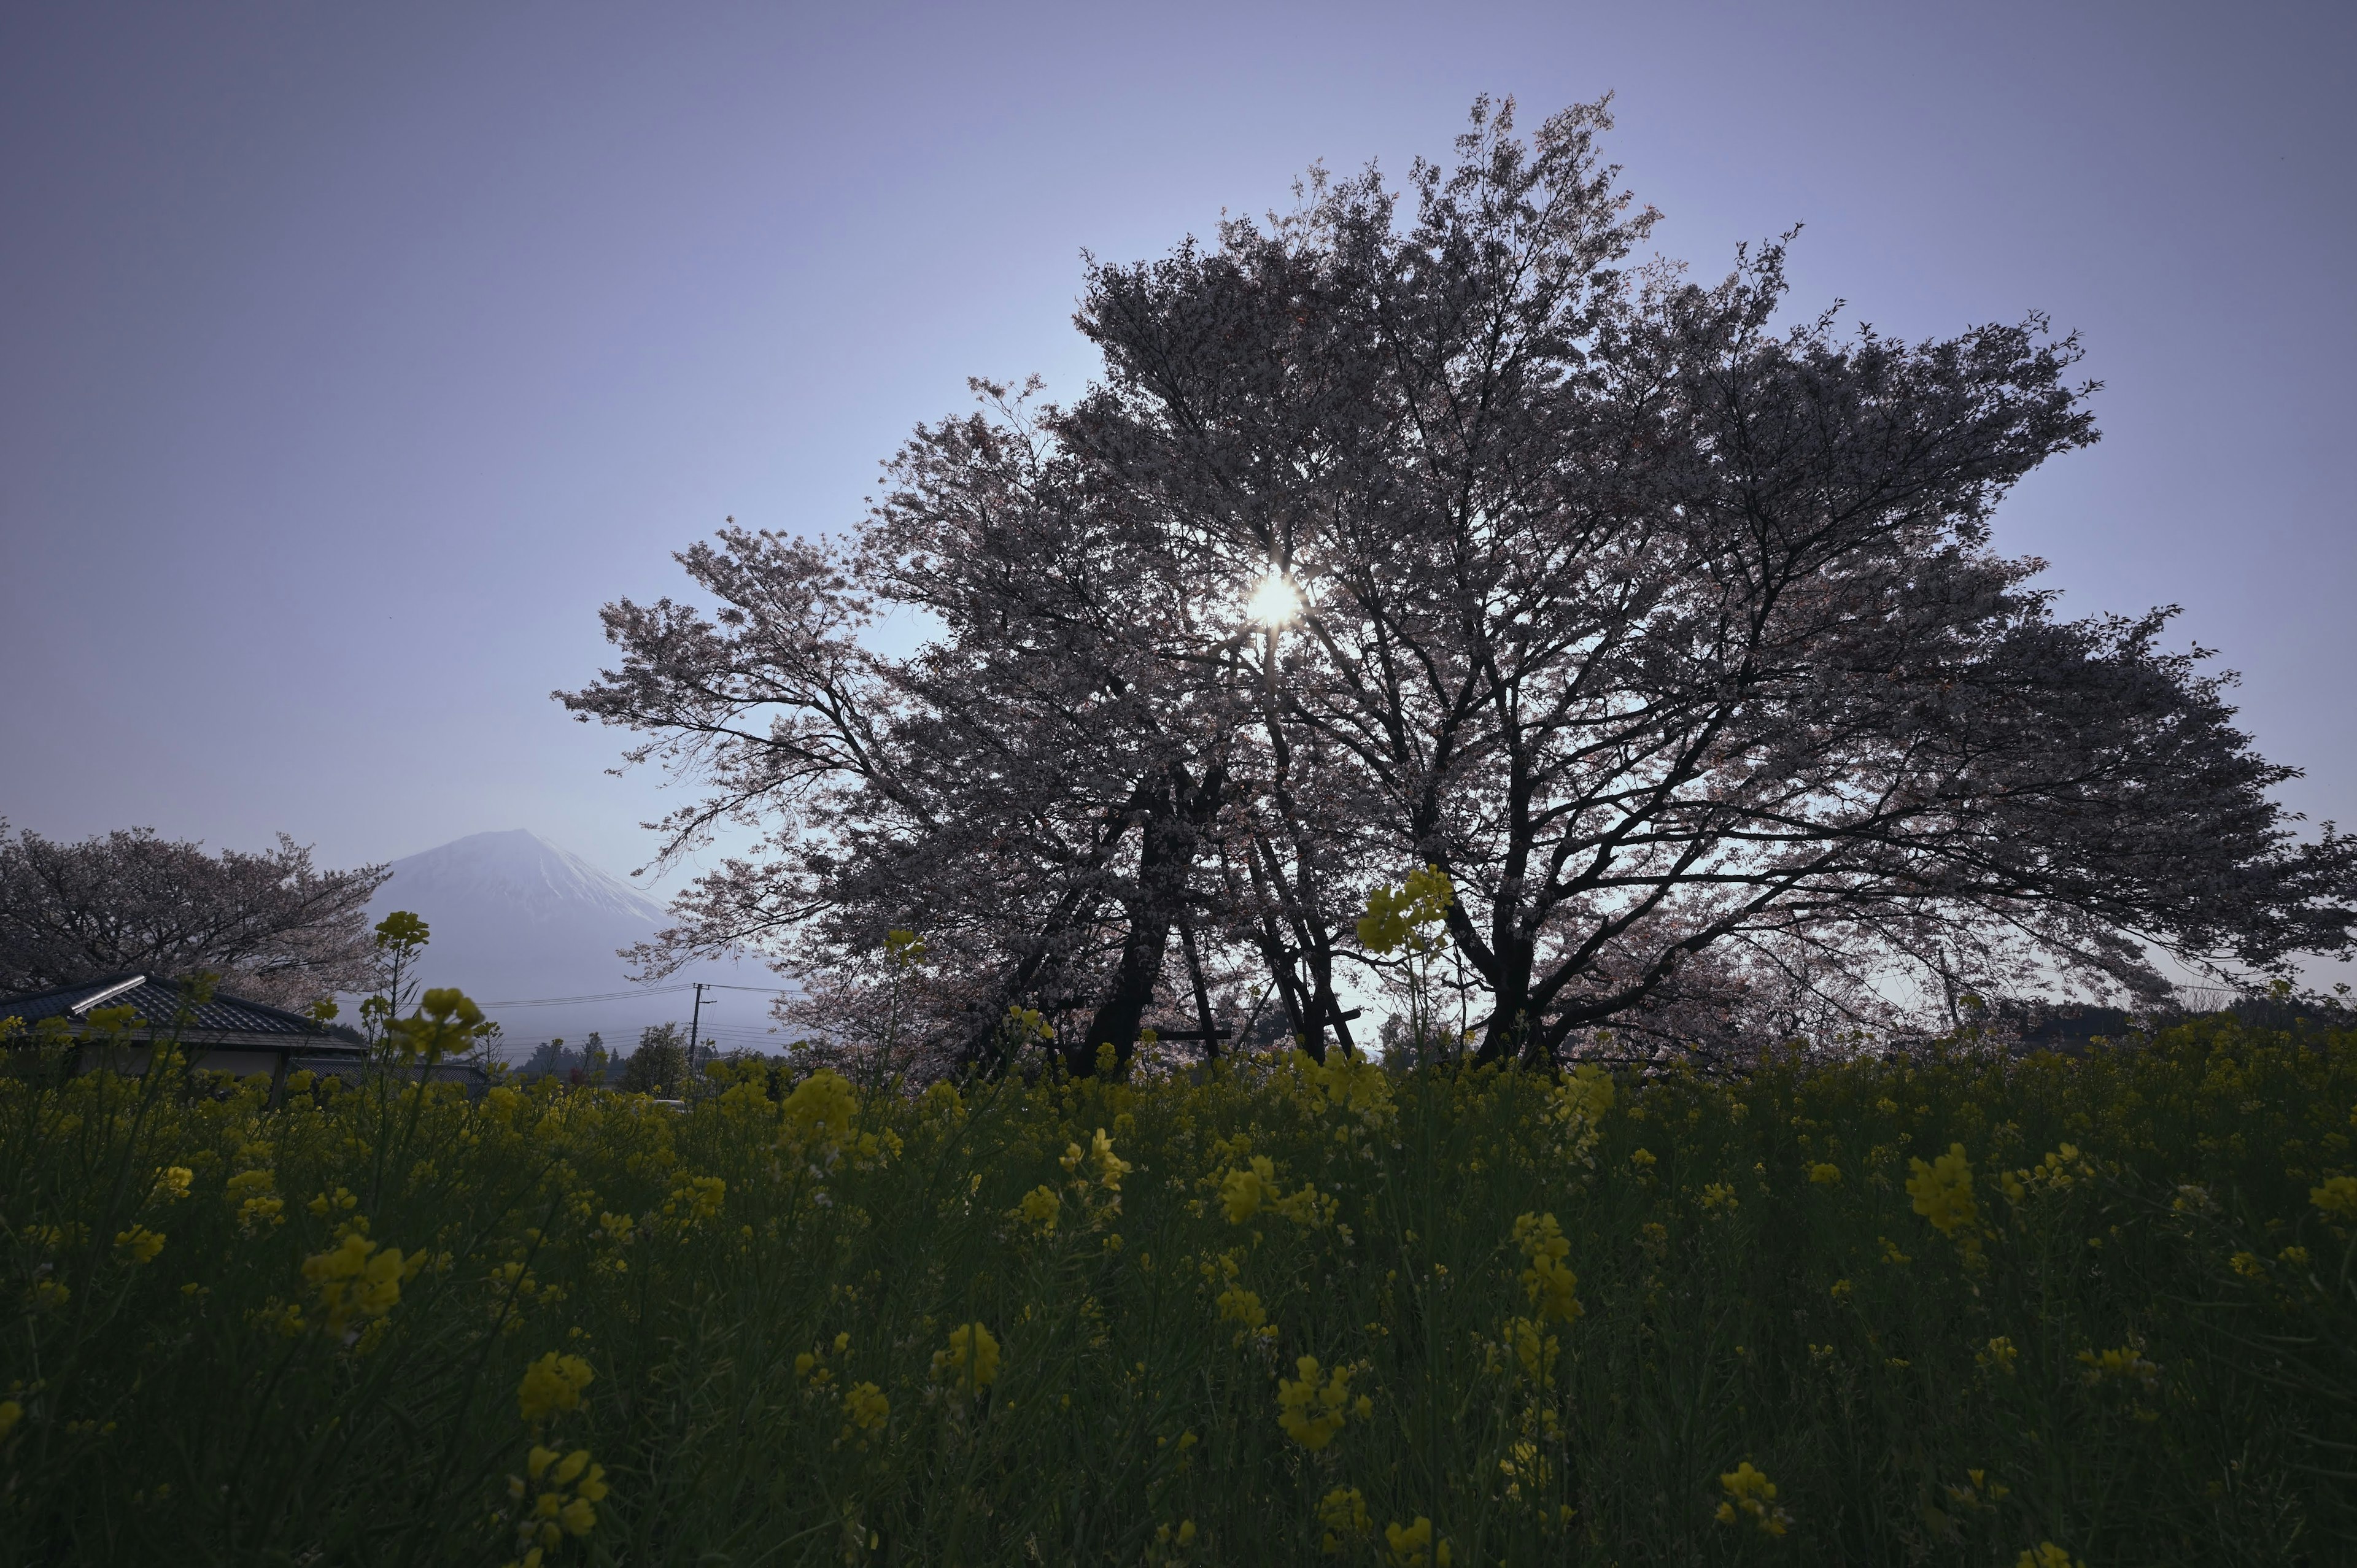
{"type": "Point", "coordinates": [350, 356]}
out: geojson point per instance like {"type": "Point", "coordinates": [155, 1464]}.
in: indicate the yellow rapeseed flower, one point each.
{"type": "Point", "coordinates": [1352, 1085]}
{"type": "Point", "coordinates": [574, 1463]}
{"type": "Point", "coordinates": [1184, 1535]}
{"type": "Point", "coordinates": [552, 1384]}
{"type": "Point", "coordinates": [1040, 1207]}
{"type": "Point", "coordinates": [1241, 1192]}
{"type": "Point", "coordinates": [865, 1407]}
{"type": "Point", "coordinates": [971, 1363]}
{"type": "Point", "coordinates": [445, 1023]}
{"type": "Point", "coordinates": [1942, 1190]}
{"type": "Point", "coordinates": [2125, 1365]}
{"type": "Point", "coordinates": [355, 1279]}
{"type": "Point", "coordinates": [328, 1203]}
{"type": "Point", "coordinates": [1343, 1513]}
{"type": "Point", "coordinates": [1551, 1287]}
{"type": "Point", "coordinates": [2337, 1197]}
{"type": "Point", "coordinates": [546, 1510]}
{"type": "Point", "coordinates": [1751, 1497]}
{"type": "Point", "coordinates": [2046, 1554]}
{"type": "Point", "coordinates": [1305, 1205]}
{"type": "Point", "coordinates": [1823, 1174]}
{"type": "Point", "coordinates": [817, 1118]}
{"type": "Point", "coordinates": [1582, 1097]}
{"type": "Point", "coordinates": [1409, 1545]}
{"type": "Point", "coordinates": [282, 1318]}
{"type": "Point", "coordinates": [173, 1181]}
{"type": "Point", "coordinates": [139, 1244]}
{"type": "Point", "coordinates": [258, 1206]}
{"type": "Point", "coordinates": [695, 1200]}
{"type": "Point", "coordinates": [2057, 1170]}
{"type": "Point", "coordinates": [1535, 1350]}
{"type": "Point", "coordinates": [1999, 1353]}
{"type": "Point", "coordinates": [1398, 917]}
{"type": "Point", "coordinates": [1311, 1408]}
{"type": "Point", "coordinates": [1110, 1167]}
{"type": "Point", "coordinates": [1240, 1305]}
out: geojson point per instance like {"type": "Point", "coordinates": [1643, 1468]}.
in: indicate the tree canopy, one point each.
{"type": "Point", "coordinates": [271, 925]}
{"type": "Point", "coordinates": [1428, 529]}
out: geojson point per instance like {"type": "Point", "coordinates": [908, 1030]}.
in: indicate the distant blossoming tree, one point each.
{"type": "Point", "coordinates": [271, 925]}
{"type": "Point", "coordinates": [1444, 538]}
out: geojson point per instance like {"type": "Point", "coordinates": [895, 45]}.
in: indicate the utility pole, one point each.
{"type": "Point", "coordinates": [695, 1026]}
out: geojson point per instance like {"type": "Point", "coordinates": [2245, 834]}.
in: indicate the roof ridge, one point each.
{"type": "Point", "coordinates": [162, 998]}
{"type": "Point", "coordinates": [105, 993]}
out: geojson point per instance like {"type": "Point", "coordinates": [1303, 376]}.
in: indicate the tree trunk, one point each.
{"type": "Point", "coordinates": [1166, 860]}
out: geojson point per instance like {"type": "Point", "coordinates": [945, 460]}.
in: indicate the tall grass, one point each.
{"type": "Point", "coordinates": [2122, 1325]}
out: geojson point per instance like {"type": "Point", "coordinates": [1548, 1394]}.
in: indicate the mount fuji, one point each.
{"type": "Point", "coordinates": [531, 931]}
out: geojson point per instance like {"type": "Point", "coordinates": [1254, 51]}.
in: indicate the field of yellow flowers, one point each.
{"type": "Point", "coordinates": [1956, 1309]}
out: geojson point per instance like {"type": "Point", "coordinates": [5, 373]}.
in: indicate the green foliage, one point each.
{"type": "Point", "coordinates": [1406, 916]}
{"type": "Point", "coordinates": [1409, 921]}
{"type": "Point", "coordinates": [1951, 1311]}
{"type": "Point", "coordinates": [660, 1064]}
{"type": "Point", "coordinates": [400, 938]}
{"type": "Point", "coordinates": [401, 932]}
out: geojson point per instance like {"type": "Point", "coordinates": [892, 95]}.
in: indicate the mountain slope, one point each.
{"type": "Point", "coordinates": [518, 876]}
{"type": "Point", "coordinates": [517, 922]}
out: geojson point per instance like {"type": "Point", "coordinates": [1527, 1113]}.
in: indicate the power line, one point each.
{"type": "Point", "coordinates": [599, 996]}
{"type": "Point", "coordinates": [715, 1034]}
{"type": "Point", "coordinates": [634, 994]}
{"type": "Point", "coordinates": [622, 1038]}
{"type": "Point", "coordinates": [633, 1027]}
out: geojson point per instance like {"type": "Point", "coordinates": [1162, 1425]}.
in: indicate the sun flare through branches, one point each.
{"type": "Point", "coordinates": [1275, 601]}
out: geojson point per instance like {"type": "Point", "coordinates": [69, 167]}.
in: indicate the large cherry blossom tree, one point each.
{"type": "Point", "coordinates": [1422, 528]}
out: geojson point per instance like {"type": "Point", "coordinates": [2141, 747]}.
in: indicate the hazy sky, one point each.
{"type": "Point", "coordinates": [350, 356]}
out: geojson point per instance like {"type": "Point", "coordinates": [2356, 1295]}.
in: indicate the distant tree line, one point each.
{"type": "Point", "coordinates": [659, 1066]}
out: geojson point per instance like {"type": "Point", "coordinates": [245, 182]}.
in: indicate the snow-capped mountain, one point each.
{"type": "Point", "coordinates": [519, 924]}
{"type": "Point", "coordinates": [520, 875]}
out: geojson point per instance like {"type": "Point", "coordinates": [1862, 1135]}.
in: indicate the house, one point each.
{"type": "Point", "coordinates": [227, 1034]}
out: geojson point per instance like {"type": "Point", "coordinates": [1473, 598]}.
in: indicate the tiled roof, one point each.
{"type": "Point", "coordinates": [158, 1002]}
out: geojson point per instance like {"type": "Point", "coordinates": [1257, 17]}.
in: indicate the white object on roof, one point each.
{"type": "Point", "coordinates": [82, 1008]}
